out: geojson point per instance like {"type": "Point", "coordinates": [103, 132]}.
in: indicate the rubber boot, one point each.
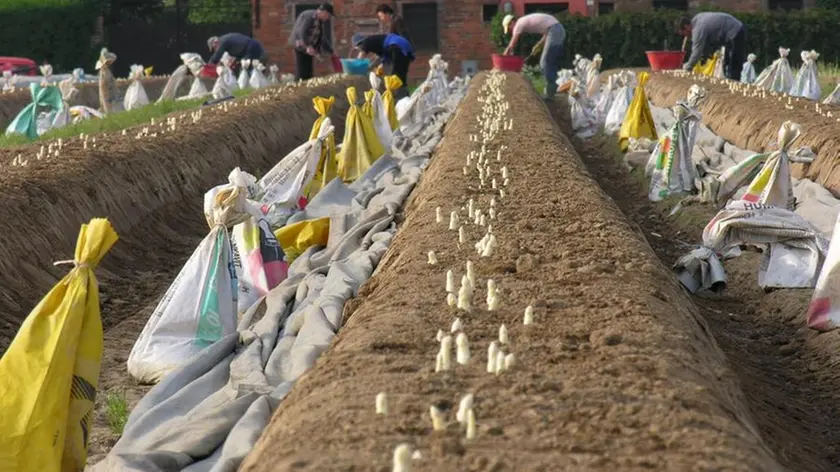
{"type": "Point", "coordinates": [550, 91]}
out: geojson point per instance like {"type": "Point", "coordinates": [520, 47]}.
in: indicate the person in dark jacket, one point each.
{"type": "Point", "coordinates": [710, 31]}
{"type": "Point", "coordinates": [237, 45]}
{"type": "Point", "coordinates": [390, 22]}
{"type": "Point", "coordinates": [392, 50]}
{"type": "Point", "coordinates": [310, 38]}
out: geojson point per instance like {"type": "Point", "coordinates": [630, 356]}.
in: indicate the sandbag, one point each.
{"type": "Point", "coordinates": [135, 95]}
{"type": "Point", "coordinates": [273, 70]}
{"type": "Point", "coordinates": [834, 97]}
{"type": "Point", "coordinates": [778, 75]}
{"type": "Point", "coordinates": [718, 71]}
{"type": "Point", "coordinates": [244, 79]}
{"type": "Point", "coordinates": [638, 122]}
{"type": "Point", "coordinates": [793, 249]}
{"type": "Point", "coordinates": [9, 81]}
{"type": "Point", "coordinates": [824, 309]}
{"type": "Point", "coordinates": [593, 77]}
{"type": "Point", "coordinates": [605, 100]}
{"type": "Point", "coordinates": [620, 103]}
{"type": "Point", "coordinates": [200, 307]}
{"type": "Point", "coordinates": [670, 168]}
{"type": "Point", "coordinates": [392, 83]}
{"type": "Point", "coordinates": [25, 122]}
{"type": "Point", "coordinates": [707, 67]}
{"type": "Point", "coordinates": [110, 100]}
{"type": "Point", "coordinates": [173, 84]}
{"type": "Point", "coordinates": [257, 79]}
{"type": "Point", "coordinates": [584, 123]}
{"type": "Point", "coordinates": [806, 84]}
{"type": "Point", "coordinates": [773, 185]}
{"type": "Point", "coordinates": [375, 109]}
{"type": "Point", "coordinates": [327, 168]}
{"type": "Point", "coordinates": [49, 375]}
{"type": "Point", "coordinates": [360, 147]}
{"type": "Point", "coordinates": [748, 70]}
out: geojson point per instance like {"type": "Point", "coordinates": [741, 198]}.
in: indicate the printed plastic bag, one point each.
{"type": "Point", "coordinates": [670, 168]}
{"type": "Point", "coordinates": [806, 84]}
{"type": "Point", "coordinates": [135, 96]}
{"type": "Point", "coordinates": [620, 103]}
{"type": "Point", "coordinates": [244, 79]}
{"type": "Point", "coordinates": [392, 83]}
{"type": "Point", "coordinates": [25, 122]}
{"type": "Point", "coordinates": [298, 237]}
{"type": "Point", "coordinates": [258, 261]}
{"type": "Point", "coordinates": [327, 168]}
{"type": "Point", "coordinates": [748, 70]}
{"type": "Point", "coordinates": [778, 75]}
{"type": "Point", "coordinates": [375, 109]}
{"type": "Point", "coordinates": [361, 147]}
{"type": "Point", "coordinates": [257, 79]}
{"type": "Point", "coordinates": [200, 307]}
{"type": "Point", "coordinates": [824, 309]}
{"type": "Point", "coordinates": [584, 123]}
{"type": "Point", "coordinates": [773, 185]}
{"type": "Point", "coordinates": [638, 122]}
{"type": "Point", "coordinates": [49, 375]}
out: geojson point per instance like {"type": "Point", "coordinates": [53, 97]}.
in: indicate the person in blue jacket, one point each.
{"type": "Point", "coordinates": [392, 50]}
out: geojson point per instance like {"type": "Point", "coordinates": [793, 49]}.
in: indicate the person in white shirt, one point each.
{"type": "Point", "coordinates": [553, 37]}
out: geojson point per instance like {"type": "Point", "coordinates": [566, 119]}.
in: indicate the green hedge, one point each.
{"type": "Point", "coordinates": [56, 31]}
{"type": "Point", "coordinates": [623, 38]}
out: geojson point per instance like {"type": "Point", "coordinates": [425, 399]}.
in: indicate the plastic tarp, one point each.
{"type": "Point", "coordinates": [806, 84]}
{"type": "Point", "coordinates": [670, 168]}
{"type": "Point", "coordinates": [360, 147]}
{"type": "Point", "coordinates": [777, 76]}
{"type": "Point", "coordinates": [50, 372]}
{"type": "Point", "coordinates": [748, 69]}
{"type": "Point", "coordinates": [793, 249]}
{"type": "Point", "coordinates": [25, 122]}
{"type": "Point", "coordinates": [135, 96]}
{"type": "Point", "coordinates": [208, 414]}
{"type": "Point", "coordinates": [638, 122]}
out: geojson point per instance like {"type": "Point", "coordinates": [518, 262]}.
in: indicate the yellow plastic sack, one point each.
{"type": "Point", "coordinates": [367, 108]}
{"type": "Point", "coordinates": [50, 373]}
{"type": "Point", "coordinates": [296, 238]}
{"type": "Point", "coordinates": [327, 164]}
{"type": "Point", "coordinates": [380, 71]}
{"type": "Point", "coordinates": [638, 122]}
{"type": "Point", "coordinates": [361, 146]}
{"type": "Point", "coordinates": [148, 71]}
{"type": "Point", "coordinates": [708, 67]}
{"type": "Point", "coordinates": [392, 83]}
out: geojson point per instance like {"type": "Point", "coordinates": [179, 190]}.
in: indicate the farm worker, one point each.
{"type": "Point", "coordinates": [709, 32]}
{"type": "Point", "coordinates": [553, 38]}
{"type": "Point", "coordinates": [392, 50]}
{"type": "Point", "coordinates": [237, 45]}
{"type": "Point", "coordinates": [390, 22]}
{"type": "Point", "coordinates": [310, 38]}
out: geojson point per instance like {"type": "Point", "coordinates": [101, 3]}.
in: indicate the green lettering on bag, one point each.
{"type": "Point", "coordinates": [209, 329]}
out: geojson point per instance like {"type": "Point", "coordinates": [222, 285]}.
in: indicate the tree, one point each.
{"type": "Point", "coordinates": [219, 11]}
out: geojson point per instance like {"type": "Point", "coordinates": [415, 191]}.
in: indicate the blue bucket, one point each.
{"type": "Point", "coordinates": [355, 66]}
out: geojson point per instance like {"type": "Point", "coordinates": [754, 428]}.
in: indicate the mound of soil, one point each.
{"type": "Point", "coordinates": [12, 103]}
{"type": "Point", "coordinates": [753, 123]}
{"type": "Point", "coordinates": [141, 185]}
{"type": "Point", "coordinates": [619, 371]}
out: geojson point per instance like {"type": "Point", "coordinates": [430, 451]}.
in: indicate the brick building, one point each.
{"type": "Point", "coordinates": [458, 29]}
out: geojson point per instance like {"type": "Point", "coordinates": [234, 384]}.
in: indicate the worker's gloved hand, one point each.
{"type": "Point", "coordinates": [380, 71]}
{"type": "Point", "coordinates": [310, 50]}
{"type": "Point", "coordinates": [686, 67]}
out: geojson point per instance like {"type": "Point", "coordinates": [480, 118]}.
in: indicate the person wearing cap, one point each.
{"type": "Point", "coordinates": [711, 30]}
{"type": "Point", "coordinates": [392, 50]}
{"type": "Point", "coordinates": [310, 38]}
{"type": "Point", "coordinates": [553, 37]}
{"type": "Point", "coordinates": [237, 45]}
{"type": "Point", "coordinates": [390, 22]}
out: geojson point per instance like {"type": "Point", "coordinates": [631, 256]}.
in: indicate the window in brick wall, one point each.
{"type": "Point", "coordinates": [489, 11]}
{"type": "Point", "coordinates": [550, 8]}
{"type": "Point", "coordinates": [421, 19]}
{"type": "Point", "coordinates": [785, 4]}
{"type": "Point", "coordinates": [671, 4]}
{"type": "Point", "coordinates": [605, 8]}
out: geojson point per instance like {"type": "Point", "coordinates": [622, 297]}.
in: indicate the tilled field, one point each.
{"type": "Point", "coordinates": [753, 123]}
{"type": "Point", "coordinates": [618, 372]}
{"type": "Point", "coordinates": [12, 103]}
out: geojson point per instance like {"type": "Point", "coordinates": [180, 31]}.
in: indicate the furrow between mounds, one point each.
{"type": "Point", "coordinates": [12, 103]}
{"type": "Point", "coordinates": [753, 123]}
{"type": "Point", "coordinates": [618, 372]}
{"type": "Point", "coordinates": [131, 182]}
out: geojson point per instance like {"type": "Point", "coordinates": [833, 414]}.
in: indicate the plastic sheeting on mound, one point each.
{"type": "Point", "coordinates": [208, 414]}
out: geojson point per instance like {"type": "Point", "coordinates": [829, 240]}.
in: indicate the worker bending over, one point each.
{"type": "Point", "coordinates": [237, 45]}
{"type": "Point", "coordinates": [310, 38]}
{"type": "Point", "coordinates": [553, 38]}
{"type": "Point", "coordinates": [393, 50]}
{"type": "Point", "coordinates": [709, 32]}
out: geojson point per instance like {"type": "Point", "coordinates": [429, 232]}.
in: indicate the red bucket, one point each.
{"type": "Point", "coordinates": [209, 71]}
{"type": "Point", "coordinates": [665, 60]}
{"type": "Point", "coordinates": [507, 63]}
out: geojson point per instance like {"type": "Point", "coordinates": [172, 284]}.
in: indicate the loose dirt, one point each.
{"type": "Point", "coordinates": [753, 123]}
{"type": "Point", "coordinates": [785, 369]}
{"type": "Point", "coordinates": [619, 371]}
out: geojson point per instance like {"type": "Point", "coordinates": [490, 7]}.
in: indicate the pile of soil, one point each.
{"type": "Point", "coordinates": [785, 369]}
{"type": "Point", "coordinates": [141, 185]}
{"type": "Point", "coordinates": [619, 371]}
{"type": "Point", "coordinates": [12, 103]}
{"type": "Point", "coordinates": [753, 123]}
